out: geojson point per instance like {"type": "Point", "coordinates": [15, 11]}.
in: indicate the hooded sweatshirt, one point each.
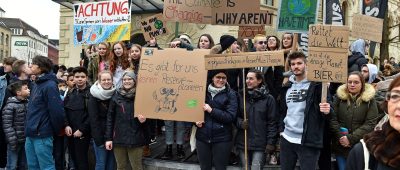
{"type": "Point", "coordinates": [373, 71]}
{"type": "Point", "coordinates": [296, 104]}
{"type": "Point", "coordinates": [358, 46]}
{"type": "Point", "coordinates": [357, 58]}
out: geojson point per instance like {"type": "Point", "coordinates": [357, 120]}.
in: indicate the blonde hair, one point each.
{"type": "Point", "coordinates": [258, 37]}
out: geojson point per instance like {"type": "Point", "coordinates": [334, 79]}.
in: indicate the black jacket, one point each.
{"type": "Point", "coordinates": [314, 120]}
{"type": "Point", "coordinates": [76, 109]}
{"type": "Point", "coordinates": [98, 116]}
{"type": "Point", "coordinates": [14, 114]}
{"type": "Point", "coordinates": [355, 62]}
{"type": "Point", "coordinates": [355, 160]}
{"type": "Point", "coordinates": [218, 123]}
{"type": "Point", "coordinates": [122, 127]}
{"type": "Point", "coordinates": [262, 124]}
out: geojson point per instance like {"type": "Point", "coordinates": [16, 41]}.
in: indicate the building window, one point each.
{"type": "Point", "coordinates": [2, 39]}
{"type": "Point", "coordinates": [7, 39]}
{"type": "Point", "coordinates": [269, 2]}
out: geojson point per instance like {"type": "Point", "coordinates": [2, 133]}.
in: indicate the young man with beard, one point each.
{"type": "Point", "coordinates": [302, 128]}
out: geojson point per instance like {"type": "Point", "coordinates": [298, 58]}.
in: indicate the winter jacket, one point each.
{"type": "Point", "coordinates": [217, 125]}
{"type": "Point", "coordinates": [98, 116]}
{"type": "Point", "coordinates": [14, 121]}
{"type": "Point", "coordinates": [359, 117]}
{"type": "Point", "coordinates": [262, 124]}
{"type": "Point", "coordinates": [314, 120]}
{"type": "Point", "coordinates": [45, 116]}
{"type": "Point", "coordinates": [355, 160]}
{"type": "Point", "coordinates": [357, 59]}
{"type": "Point", "coordinates": [93, 68]}
{"type": "Point", "coordinates": [76, 109]}
{"type": "Point", "coordinates": [122, 127]}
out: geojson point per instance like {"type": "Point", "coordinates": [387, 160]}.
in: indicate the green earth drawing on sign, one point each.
{"type": "Point", "coordinates": [158, 24]}
{"type": "Point", "coordinates": [299, 7]}
{"type": "Point", "coordinates": [191, 103]}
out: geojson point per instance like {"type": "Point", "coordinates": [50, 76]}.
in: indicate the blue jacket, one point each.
{"type": "Point", "coordinates": [218, 123]}
{"type": "Point", "coordinates": [45, 116]}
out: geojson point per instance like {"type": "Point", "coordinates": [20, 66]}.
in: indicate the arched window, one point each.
{"type": "Point", "coordinates": [2, 39]}
{"type": "Point", "coordinates": [7, 39]}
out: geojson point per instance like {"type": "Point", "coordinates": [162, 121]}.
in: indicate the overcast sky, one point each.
{"type": "Point", "coordinates": [44, 15]}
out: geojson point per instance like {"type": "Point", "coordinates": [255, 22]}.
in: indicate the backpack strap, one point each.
{"type": "Point", "coordinates": [366, 155]}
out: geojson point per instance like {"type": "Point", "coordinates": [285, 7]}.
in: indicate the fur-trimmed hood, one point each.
{"type": "Point", "coordinates": [366, 96]}
{"type": "Point", "coordinates": [216, 49]}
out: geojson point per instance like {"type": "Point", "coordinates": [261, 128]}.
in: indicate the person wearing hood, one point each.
{"type": "Point", "coordinates": [260, 121]}
{"type": "Point", "coordinates": [214, 134]}
{"type": "Point", "coordinates": [370, 73]}
{"type": "Point", "coordinates": [357, 58]}
{"type": "Point", "coordinates": [100, 95]}
{"type": "Point", "coordinates": [355, 114]}
{"type": "Point", "coordinates": [125, 132]}
{"type": "Point", "coordinates": [303, 117]}
{"type": "Point", "coordinates": [77, 119]}
{"type": "Point", "coordinates": [45, 116]}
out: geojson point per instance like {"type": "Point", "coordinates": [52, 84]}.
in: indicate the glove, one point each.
{"type": "Point", "coordinates": [245, 124]}
{"type": "Point", "coordinates": [270, 149]}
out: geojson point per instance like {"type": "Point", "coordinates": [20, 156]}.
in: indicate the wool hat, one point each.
{"type": "Point", "coordinates": [212, 73]}
{"type": "Point", "coordinates": [226, 41]}
{"type": "Point", "coordinates": [130, 74]}
{"type": "Point", "coordinates": [185, 37]}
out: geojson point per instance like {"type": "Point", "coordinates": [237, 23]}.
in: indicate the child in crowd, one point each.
{"type": "Point", "coordinates": [14, 114]}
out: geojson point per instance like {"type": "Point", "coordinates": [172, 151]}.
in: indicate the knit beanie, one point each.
{"type": "Point", "coordinates": [130, 74]}
{"type": "Point", "coordinates": [226, 41]}
{"type": "Point", "coordinates": [212, 73]}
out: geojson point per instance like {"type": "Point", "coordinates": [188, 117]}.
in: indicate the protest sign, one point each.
{"type": "Point", "coordinates": [327, 53]}
{"type": "Point", "coordinates": [241, 13]}
{"type": "Point", "coordinates": [153, 26]}
{"type": "Point", "coordinates": [362, 28]}
{"type": "Point", "coordinates": [171, 84]}
{"type": "Point", "coordinates": [250, 31]}
{"type": "Point", "coordinates": [105, 21]}
{"type": "Point", "coordinates": [191, 11]}
{"type": "Point", "coordinates": [244, 60]}
{"type": "Point", "coordinates": [295, 16]}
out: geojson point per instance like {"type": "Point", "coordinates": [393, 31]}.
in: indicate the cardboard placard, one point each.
{"type": "Point", "coordinates": [367, 27]}
{"type": "Point", "coordinates": [154, 26]}
{"type": "Point", "coordinates": [191, 11]}
{"type": "Point", "coordinates": [327, 65]}
{"type": "Point", "coordinates": [296, 16]}
{"type": "Point", "coordinates": [250, 31]}
{"type": "Point", "coordinates": [244, 60]}
{"type": "Point", "coordinates": [328, 36]}
{"type": "Point", "coordinates": [171, 84]}
{"type": "Point", "coordinates": [241, 13]}
{"type": "Point", "coordinates": [105, 21]}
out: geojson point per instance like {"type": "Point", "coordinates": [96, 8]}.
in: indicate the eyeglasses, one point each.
{"type": "Point", "coordinates": [393, 96]}
{"type": "Point", "coordinates": [353, 82]}
{"type": "Point", "coordinates": [262, 42]}
{"type": "Point", "coordinates": [220, 77]}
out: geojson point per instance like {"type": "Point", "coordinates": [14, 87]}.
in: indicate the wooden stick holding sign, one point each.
{"type": "Point", "coordinates": [327, 55]}
{"type": "Point", "coordinates": [244, 60]}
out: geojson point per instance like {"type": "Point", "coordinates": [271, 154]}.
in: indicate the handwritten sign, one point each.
{"type": "Point", "coordinates": [363, 27]}
{"type": "Point", "coordinates": [171, 84]}
{"type": "Point", "coordinates": [105, 21]}
{"type": "Point", "coordinates": [241, 13]}
{"type": "Point", "coordinates": [250, 31]}
{"type": "Point", "coordinates": [328, 36]}
{"type": "Point", "coordinates": [327, 53]}
{"type": "Point", "coordinates": [327, 65]}
{"type": "Point", "coordinates": [295, 16]}
{"type": "Point", "coordinates": [243, 60]}
{"type": "Point", "coordinates": [191, 11]}
{"type": "Point", "coordinates": [153, 26]}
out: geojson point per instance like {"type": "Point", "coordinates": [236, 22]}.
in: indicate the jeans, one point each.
{"type": "Point", "coordinates": [213, 153]}
{"type": "Point", "coordinates": [105, 159]}
{"type": "Point", "coordinates": [169, 132]}
{"type": "Point", "coordinates": [134, 155]}
{"type": "Point", "coordinates": [341, 161]}
{"type": "Point", "coordinates": [290, 152]}
{"type": "Point", "coordinates": [255, 157]}
{"type": "Point", "coordinates": [39, 153]}
{"type": "Point", "coordinates": [16, 158]}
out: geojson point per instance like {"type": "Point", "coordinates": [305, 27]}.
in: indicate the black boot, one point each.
{"type": "Point", "coordinates": [168, 153]}
{"type": "Point", "coordinates": [180, 152]}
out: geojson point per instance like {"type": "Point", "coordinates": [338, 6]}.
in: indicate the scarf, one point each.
{"type": "Point", "coordinates": [127, 93]}
{"type": "Point", "coordinates": [98, 92]}
{"type": "Point", "coordinates": [214, 91]}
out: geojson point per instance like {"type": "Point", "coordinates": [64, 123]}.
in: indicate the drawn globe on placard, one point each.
{"type": "Point", "coordinates": [158, 24]}
{"type": "Point", "coordinates": [299, 7]}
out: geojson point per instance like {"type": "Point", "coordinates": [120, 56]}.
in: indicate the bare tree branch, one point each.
{"type": "Point", "coordinates": [394, 26]}
{"type": "Point", "coordinates": [390, 40]}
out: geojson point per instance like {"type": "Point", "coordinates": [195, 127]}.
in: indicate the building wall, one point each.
{"type": "Point", "coordinates": [5, 46]}
{"type": "Point", "coordinates": [69, 54]}
{"type": "Point", "coordinates": [53, 53]}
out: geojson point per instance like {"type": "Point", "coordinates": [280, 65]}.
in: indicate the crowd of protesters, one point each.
{"type": "Point", "coordinates": [49, 110]}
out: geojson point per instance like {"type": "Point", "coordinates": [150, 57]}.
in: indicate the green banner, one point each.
{"type": "Point", "coordinates": [21, 43]}
{"type": "Point", "coordinates": [296, 15]}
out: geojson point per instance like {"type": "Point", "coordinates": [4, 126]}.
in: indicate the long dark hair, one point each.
{"type": "Point", "coordinates": [283, 35]}
{"type": "Point", "coordinates": [210, 39]}
{"type": "Point", "coordinates": [357, 73]}
{"type": "Point", "coordinates": [259, 76]}
{"type": "Point", "coordinates": [278, 42]}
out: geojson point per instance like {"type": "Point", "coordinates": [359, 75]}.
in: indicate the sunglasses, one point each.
{"type": "Point", "coordinates": [262, 42]}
